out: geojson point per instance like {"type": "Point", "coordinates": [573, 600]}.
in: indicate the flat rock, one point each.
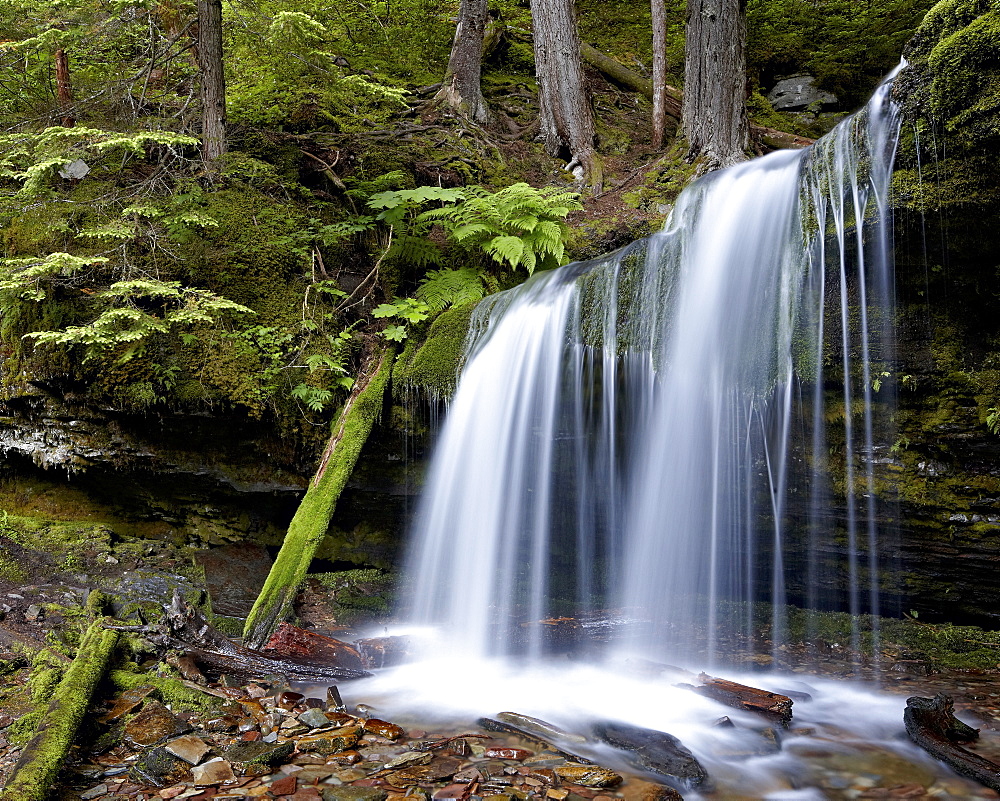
{"type": "Point", "coordinates": [258, 752]}
{"type": "Point", "coordinates": [126, 702]}
{"type": "Point", "coordinates": [442, 768]}
{"type": "Point", "coordinates": [331, 742]}
{"type": "Point", "coordinates": [315, 718]}
{"type": "Point", "coordinates": [159, 768]}
{"type": "Point", "coordinates": [353, 793]}
{"type": "Point", "coordinates": [190, 748]}
{"type": "Point", "coordinates": [639, 790]}
{"type": "Point", "coordinates": [383, 729]}
{"type": "Point", "coordinates": [215, 771]}
{"type": "Point", "coordinates": [588, 775]}
{"type": "Point", "coordinates": [154, 724]}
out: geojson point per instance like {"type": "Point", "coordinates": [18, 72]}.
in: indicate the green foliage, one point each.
{"type": "Point", "coordinates": [141, 309]}
{"type": "Point", "coordinates": [459, 287]}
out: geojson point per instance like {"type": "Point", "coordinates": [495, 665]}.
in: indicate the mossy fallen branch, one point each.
{"type": "Point", "coordinates": [311, 520]}
{"type": "Point", "coordinates": [42, 757]}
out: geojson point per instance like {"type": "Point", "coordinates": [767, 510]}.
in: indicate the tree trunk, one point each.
{"type": "Point", "coordinates": [659, 14]}
{"type": "Point", "coordinates": [567, 119]}
{"type": "Point", "coordinates": [312, 518]}
{"type": "Point", "coordinates": [64, 91]}
{"type": "Point", "coordinates": [461, 88]}
{"type": "Point", "coordinates": [213, 79]}
{"type": "Point", "coordinates": [715, 114]}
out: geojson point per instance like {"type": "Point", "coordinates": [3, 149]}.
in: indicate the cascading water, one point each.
{"type": "Point", "coordinates": [632, 433]}
{"type": "Point", "coordinates": [675, 433]}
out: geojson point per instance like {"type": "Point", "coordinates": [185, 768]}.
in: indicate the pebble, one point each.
{"type": "Point", "coordinates": [94, 792]}
{"type": "Point", "coordinates": [314, 718]}
{"type": "Point", "coordinates": [154, 724]}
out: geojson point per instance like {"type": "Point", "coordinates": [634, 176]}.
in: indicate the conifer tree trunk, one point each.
{"type": "Point", "coordinates": [567, 119]}
{"type": "Point", "coordinates": [213, 79]}
{"type": "Point", "coordinates": [462, 89]}
{"type": "Point", "coordinates": [64, 90]}
{"type": "Point", "coordinates": [714, 118]}
{"type": "Point", "coordinates": [659, 15]}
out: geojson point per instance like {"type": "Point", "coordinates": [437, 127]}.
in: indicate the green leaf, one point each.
{"type": "Point", "coordinates": [395, 333]}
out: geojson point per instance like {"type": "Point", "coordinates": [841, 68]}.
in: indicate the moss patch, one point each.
{"type": "Point", "coordinates": [432, 367]}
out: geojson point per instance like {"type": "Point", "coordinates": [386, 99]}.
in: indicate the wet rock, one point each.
{"type": "Point", "coordinates": [588, 775]}
{"type": "Point", "coordinates": [539, 728]}
{"type": "Point", "coordinates": [378, 652]}
{"type": "Point", "coordinates": [408, 759]}
{"type": "Point", "coordinates": [314, 718]}
{"type": "Point", "coordinates": [215, 771]}
{"type": "Point", "coordinates": [353, 793]}
{"type": "Point", "coordinates": [159, 768]}
{"type": "Point", "coordinates": [234, 576]}
{"type": "Point", "coordinates": [469, 775]}
{"type": "Point", "coordinates": [259, 753]}
{"type": "Point", "coordinates": [126, 702]}
{"type": "Point", "coordinates": [654, 750]}
{"type": "Point", "coordinates": [33, 613]}
{"type": "Point", "coordinates": [154, 724]}
{"type": "Point", "coordinates": [450, 792]}
{"type": "Point", "coordinates": [288, 699]}
{"type": "Point", "coordinates": [638, 790]}
{"type": "Point", "coordinates": [799, 92]}
{"type": "Point", "coordinates": [190, 748]}
{"type": "Point", "coordinates": [516, 754]}
{"type": "Point", "coordinates": [94, 792]}
{"type": "Point", "coordinates": [331, 742]}
{"type": "Point", "coordinates": [437, 770]}
{"type": "Point", "coordinates": [383, 729]}
{"type": "Point", "coordinates": [545, 760]}
{"type": "Point", "coordinates": [349, 757]}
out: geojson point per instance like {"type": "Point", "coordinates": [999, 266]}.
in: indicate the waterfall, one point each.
{"type": "Point", "coordinates": [647, 432]}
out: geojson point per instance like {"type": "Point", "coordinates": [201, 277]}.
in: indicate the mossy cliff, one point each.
{"type": "Point", "coordinates": [941, 456]}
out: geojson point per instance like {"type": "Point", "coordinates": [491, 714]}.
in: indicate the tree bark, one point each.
{"type": "Point", "coordinates": [659, 15]}
{"type": "Point", "coordinates": [714, 117]}
{"type": "Point", "coordinates": [213, 79]}
{"type": "Point", "coordinates": [64, 90]}
{"type": "Point", "coordinates": [462, 88]}
{"type": "Point", "coordinates": [566, 117]}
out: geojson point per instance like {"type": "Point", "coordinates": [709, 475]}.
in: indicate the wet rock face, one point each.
{"type": "Point", "coordinates": [799, 92]}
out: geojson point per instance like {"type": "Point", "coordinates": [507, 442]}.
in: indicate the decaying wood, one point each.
{"type": "Point", "coordinates": [654, 750]}
{"type": "Point", "coordinates": [778, 140]}
{"type": "Point", "coordinates": [770, 705]}
{"type": "Point", "coordinates": [931, 724]}
{"type": "Point", "coordinates": [185, 629]}
{"type": "Point", "coordinates": [42, 758]}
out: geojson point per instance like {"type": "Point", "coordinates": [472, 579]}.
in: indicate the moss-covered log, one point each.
{"type": "Point", "coordinates": [311, 520]}
{"type": "Point", "coordinates": [42, 757]}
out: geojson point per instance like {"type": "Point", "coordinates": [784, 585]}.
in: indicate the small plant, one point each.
{"type": "Point", "coordinates": [993, 420]}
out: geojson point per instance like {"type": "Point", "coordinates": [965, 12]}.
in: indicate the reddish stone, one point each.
{"type": "Point", "coordinates": [383, 729]}
{"type": "Point", "coordinates": [251, 736]}
{"type": "Point", "coordinates": [370, 783]}
{"type": "Point", "coordinates": [285, 786]}
{"type": "Point", "coordinates": [450, 792]}
{"type": "Point", "coordinates": [294, 643]}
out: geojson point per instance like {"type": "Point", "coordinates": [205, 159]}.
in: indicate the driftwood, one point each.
{"type": "Point", "coordinates": [42, 758]}
{"type": "Point", "coordinates": [739, 696]}
{"type": "Point", "coordinates": [185, 629]}
{"type": "Point", "coordinates": [931, 724]}
{"type": "Point", "coordinates": [656, 751]}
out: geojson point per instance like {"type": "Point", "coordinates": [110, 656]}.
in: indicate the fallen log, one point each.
{"type": "Point", "coordinates": [498, 725]}
{"type": "Point", "coordinates": [655, 751]}
{"type": "Point", "coordinates": [312, 518]}
{"type": "Point", "coordinates": [931, 724]}
{"type": "Point", "coordinates": [42, 758]}
{"type": "Point", "coordinates": [186, 629]}
{"type": "Point", "coordinates": [740, 696]}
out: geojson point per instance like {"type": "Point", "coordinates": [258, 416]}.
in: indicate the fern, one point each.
{"type": "Point", "coordinates": [444, 288]}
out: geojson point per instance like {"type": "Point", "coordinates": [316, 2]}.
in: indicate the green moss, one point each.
{"type": "Point", "coordinates": [42, 757]}
{"type": "Point", "coordinates": [312, 518]}
{"type": "Point", "coordinates": [172, 691]}
{"type": "Point", "coordinates": [358, 594]}
{"type": "Point", "coordinates": [432, 366]}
